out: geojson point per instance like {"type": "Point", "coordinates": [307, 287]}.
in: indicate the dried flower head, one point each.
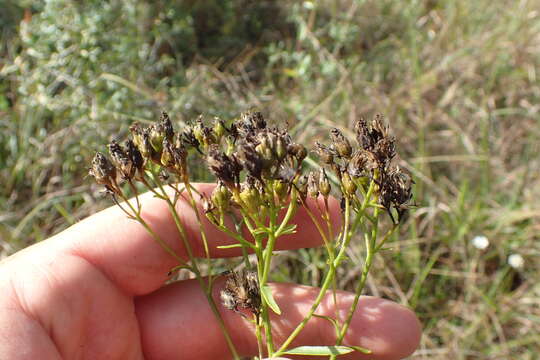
{"type": "Point", "coordinates": [189, 139]}
{"type": "Point", "coordinates": [325, 153]}
{"type": "Point", "coordinates": [362, 164]}
{"type": "Point", "coordinates": [104, 172]}
{"type": "Point", "coordinates": [225, 168]}
{"type": "Point", "coordinates": [396, 191]}
{"type": "Point", "coordinates": [167, 126]}
{"type": "Point", "coordinates": [253, 120]}
{"type": "Point", "coordinates": [340, 143]}
{"type": "Point", "coordinates": [298, 151]}
{"type": "Point", "coordinates": [121, 161]}
{"type": "Point", "coordinates": [242, 291]}
{"type": "Point", "coordinates": [134, 155]}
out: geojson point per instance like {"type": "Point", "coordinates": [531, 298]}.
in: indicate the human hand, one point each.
{"type": "Point", "coordinates": [95, 291]}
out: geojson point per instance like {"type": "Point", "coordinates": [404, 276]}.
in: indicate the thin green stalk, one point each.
{"type": "Point", "coordinates": [207, 290]}
{"type": "Point", "coordinates": [370, 252]}
{"type": "Point", "coordinates": [259, 337]}
{"type": "Point", "coordinates": [326, 284]}
{"type": "Point", "coordinates": [264, 306]}
{"type": "Point", "coordinates": [163, 244]}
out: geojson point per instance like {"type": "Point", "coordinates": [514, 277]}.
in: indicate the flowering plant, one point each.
{"type": "Point", "coordinates": [262, 182]}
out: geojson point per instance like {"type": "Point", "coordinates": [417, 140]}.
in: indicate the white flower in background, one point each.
{"type": "Point", "coordinates": [516, 261]}
{"type": "Point", "coordinates": [480, 242]}
{"type": "Point", "coordinates": [308, 5]}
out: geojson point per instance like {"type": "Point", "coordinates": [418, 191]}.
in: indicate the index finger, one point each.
{"type": "Point", "coordinates": [124, 250]}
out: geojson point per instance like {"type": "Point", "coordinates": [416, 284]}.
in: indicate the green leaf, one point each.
{"type": "Point", "coordinates": [229, 246]}
{"type": "Point", "coordinates": [291, 229]}
{"type": "Point", "coordinates": [261, 231]}
{"type": "Point", "coordinates": [361, 349]}
{"type": "Point", "coordinates": [328, 318]}
{"type": "Point", "coordinates": [269, 298]}
{"type": "Point", "coordinates": [176, 268]}
{"type": "Point", "coordinates": [319, 350]}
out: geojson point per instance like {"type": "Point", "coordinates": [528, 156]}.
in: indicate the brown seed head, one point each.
{"type": "Point", "coordinates": [225, 168]}
{"type": "Point", "coordinates": [166, 125]}
{"type": "Point", "coordinates": [252, 160]}
{"type": "Point", "coordinates": [302, 186]}
{"type": "Point", "coordinates": [384, 150]}
{"type": "Point", "coordinates": [189, 139]}
{"type": "Point", "coordinates": [242, 291]}
{"type": "Point", "coordinates": [253, 119]}
{"type": "Point", "coordinates": [298, 151]}
{"type": "Point", "coordinates": [396, 190]}
{"type": "Point", "coordinates": [362, 164]}
{"type": "Point", "coordinates": [325, 153]}
{"type": "Point", "coordinates": [341, 143]}
{"type": "Point", "coordinates": [121, 161]}
{"type": "Point", "coordinates": [135, 155]}
{"type": "Point", "coordinates": [103, 171]}
{"type": "Point", "coordinates": [167, 157]}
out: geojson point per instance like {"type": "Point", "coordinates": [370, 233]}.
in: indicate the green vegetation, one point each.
{"type": "Point", "coordinates": [457, 81]}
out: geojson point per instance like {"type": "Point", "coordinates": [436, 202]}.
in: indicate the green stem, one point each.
{"type": "Point", "coordinates": [358, 292]}
{"type": "Point", "coordinates": [328, 280]}
{"type": "Point", "coordinates": [259, 337]}
{"type": "Point", "coordinates": [264, 306]}
{"type": "Point", "coordinates": [326, 284]}
{"type": "Point", "coordinates": [370, 252]}
{"type": "Point", "coordinates": [207, 288]}
{"type": "Point", "coordinates": [137, 216]}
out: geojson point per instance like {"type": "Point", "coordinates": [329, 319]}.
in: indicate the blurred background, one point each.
{"type": "Point", "coordinates": [457, 81]}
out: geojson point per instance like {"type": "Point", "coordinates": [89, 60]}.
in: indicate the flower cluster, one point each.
{"type": "Point", "coordinates": [370, 160]}
{"type": "Point", "coordinates": [255, 163]}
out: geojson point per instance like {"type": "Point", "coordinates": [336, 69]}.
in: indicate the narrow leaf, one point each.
{"type": "Point", "coordinates": [260, 231]}
{"type": "Point", "coordinates": [361, 349]}
{"type": "Point", "coordinates": [269, 298]}
{"type": "Point", "coordinates": [229, 246]}
{"type": "Point", "coordinates": [291, 229]}
{"type": "Point", "coordinates": [319, 350]}
{"type": "Point", "coordinates": [328, 318]}
{"type": "Point", "coordinates": [176, 268]}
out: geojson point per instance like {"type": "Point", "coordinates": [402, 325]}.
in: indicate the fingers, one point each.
{"type": "Point", "coordinates": [126, 252]}
{"type": "Point", "coordinates": [177, 318]}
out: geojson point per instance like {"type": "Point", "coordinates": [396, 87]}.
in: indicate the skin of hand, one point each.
{"type": "Point", "coordinates": [96, 291]}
